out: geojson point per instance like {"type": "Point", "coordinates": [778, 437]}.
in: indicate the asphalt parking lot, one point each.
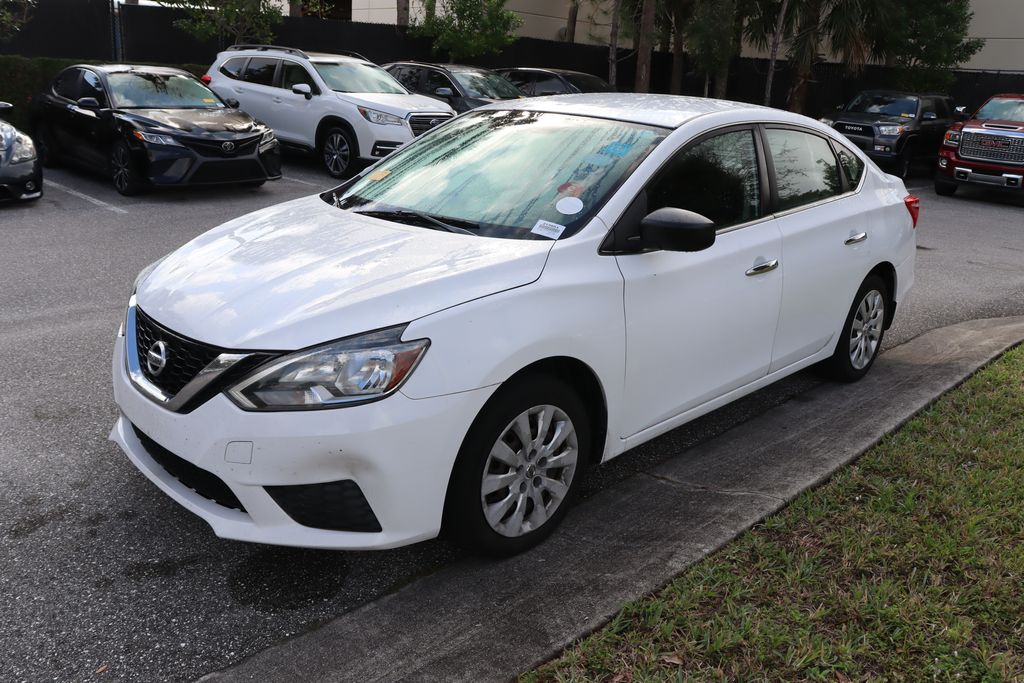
{"type": "Point", "coordinates": [103, 577]}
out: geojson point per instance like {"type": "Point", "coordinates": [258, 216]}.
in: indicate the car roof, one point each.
{"type": "Point", "coordinates": [667, 111]}
{"type": "Point", "coordinates": [902, 93]}
{"type": "Point", "coordinates": [137, 68]}
{"type": "Point", "coordinates": [1009, 96]}
{"type": "Point", "coordinates": [443, 67]}
{"type": "Point", "coordinates": [544, 69]}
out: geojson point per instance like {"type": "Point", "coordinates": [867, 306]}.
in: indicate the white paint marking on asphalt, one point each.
{"type": "Point", "coordinates": [82, 195]}
{"type": "Point", "coordinates": [304, 182]}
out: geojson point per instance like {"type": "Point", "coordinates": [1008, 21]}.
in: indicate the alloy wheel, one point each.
{"type": "Point", "coordinates": [336, 153]}
{"type": "Point", "coordinates": [120, 168]}
{"type": "Point", "coordinates": [529, 471]}
{"type": "Point", "coordinates": [866, 329]}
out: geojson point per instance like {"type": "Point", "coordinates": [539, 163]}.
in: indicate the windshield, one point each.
{"type": "Point", "coordinates": [886, 104]}
{"type": "Point", "coordinates": [587, 83]}
{"type": "Point", "coordinates": [513, 174]}
{"type": "Point", "coordinates": [486, 84]}
{"type": "Point", "coordinates": [138, 90]}
{"type": "Point", "coordinates": [1002, 109]}
{"type": "Point", "coordinates": [358, 77]}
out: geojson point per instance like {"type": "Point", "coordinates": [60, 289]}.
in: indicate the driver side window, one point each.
{"type": "Point", "coordinates": [717, 178]}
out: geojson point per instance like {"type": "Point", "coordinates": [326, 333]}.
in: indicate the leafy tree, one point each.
{"type": "Point", "coordinates": [467, 28]}
{"type": "Point", "coordinates": [925, 40]}
{"type": "Point", "coordinates": [13, 15]}
{"type": "Point", "coordinates": [238, 21]}
{"type": "Point", "coordinates": [710, 39]}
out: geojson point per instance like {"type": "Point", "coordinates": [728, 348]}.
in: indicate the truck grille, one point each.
{"type": "Point", "coordinates": [862, 129]}
{"type": "Point", "coordinates": [1007, 149]}
{"type": "Point", "coordinates": [421, 123]}
{"type": "Point", "coordinates": [185, 357]}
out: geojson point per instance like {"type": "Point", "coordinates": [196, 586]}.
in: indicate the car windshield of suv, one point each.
{"type": "Point", "coordinates": [358, 77]}
{"type": "Point", "coordinates": [512, 174]}
{"type": "Point", "coordinates": [140, 90]}
{"type": "Point", "coordinates": [884, 104]}
{"type": "Point", "coordinates": [587, 83]}
{"type": "Point", "coordinates": [486, 84]}
{"type": "Point", "coordinates": [1002, 109]}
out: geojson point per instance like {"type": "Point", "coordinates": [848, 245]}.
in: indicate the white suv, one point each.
{"type": "Point", "coordinates": [342, 107]}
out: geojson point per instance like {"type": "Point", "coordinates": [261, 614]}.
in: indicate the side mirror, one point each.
{"type": "Point", "coordinates": [303, 89]}
{"type": "Point", "coordinates": [88, 103]}
{"type": "Point", "coordinates": [962, 113]}
{"type": "Point", "coordinates": [232, 102]}
{"type": "Point", "coordinates": [930, 116]}
{"type": "Point", "coordinates": [677, 230]}
{"type": "Point", "coordinates": [445, 93]}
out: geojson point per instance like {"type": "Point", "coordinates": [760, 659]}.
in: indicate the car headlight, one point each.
{"type": "Point", "coordinates": [156, 138]}
{"type": "Point", "coordinates": [24, 149]}
{"type": "Point", "coordinates": [891, 130]}
{"type": "Point", "coordinates": [268, 137]}
{"type": "Point", "coordinates": [952, 138]}
{"type": "Point", "coordinates": [384, 119]}
{"type": "Point", "coordinates": [353, 370]}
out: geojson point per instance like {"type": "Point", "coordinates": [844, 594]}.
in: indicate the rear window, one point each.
{"type": "Point", "coordinates": [233, 67]}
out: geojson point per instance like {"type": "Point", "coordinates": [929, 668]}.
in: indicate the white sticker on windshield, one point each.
{"type": "Point", "coordinates": [569, 206]}
{"type": "Point", "coordinates": [548, 229]}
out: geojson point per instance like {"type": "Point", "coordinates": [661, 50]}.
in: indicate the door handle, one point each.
{"type": "Point", "coordinates": [765, 267]}
{"type": "Point", "coordinates": [278, 100]}
{"type": "Point", "coordinates": [854, 239]}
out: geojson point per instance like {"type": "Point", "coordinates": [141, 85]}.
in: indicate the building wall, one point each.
{"type": "Point", "coordinates": [1001, 24]}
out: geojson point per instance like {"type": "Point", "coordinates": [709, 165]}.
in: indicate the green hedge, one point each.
{"type": "Point", "coordinates": [22, 78]}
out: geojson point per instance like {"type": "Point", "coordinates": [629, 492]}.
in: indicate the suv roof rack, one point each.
{"type": "Point", "coordinates": [289, 50]}
{"type": "Point", "coordinates": [345, 53]}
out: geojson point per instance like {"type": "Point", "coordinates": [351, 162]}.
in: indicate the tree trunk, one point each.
{"type": "Point", "coordinates": [798, 93]}
{"type": "Point", "coordinates": [678, 59]}
{"type": "Point", "coordinates": [773, 53]}
{"type": "Point", "coordinates": [294, 7]}
{"type": "Point", "coordinates": [570, 22]}
{"type": "Point", "coordinates": [644, 47]}
{"type": "Point", "coordinates": [402, 13]}
{"type": "Point", "coordinates": [613, 43]}
{"type": "Point", "coordinates": [722, 75]}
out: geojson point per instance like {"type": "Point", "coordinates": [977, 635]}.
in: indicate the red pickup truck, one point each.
{"type": "Point", "coordinates": [986, 150]}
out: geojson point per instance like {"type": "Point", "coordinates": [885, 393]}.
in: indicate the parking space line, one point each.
{"type": "Point", "coordinates": [296, 180]}
{"type": "Point", "coordinates": [82, 195]}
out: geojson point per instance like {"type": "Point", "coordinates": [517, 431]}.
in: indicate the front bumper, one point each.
{"type": "Point", "coordinates": [398, 451]}
{"type": "Point", "coordinates": [954, 169]}
{"type": "Point", "coordinates": [21, 182]}
{"type": "Point", "coordinates": [185, 165]}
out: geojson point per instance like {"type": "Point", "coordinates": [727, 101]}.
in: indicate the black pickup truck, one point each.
{"type": "Point", "coordinates": [895, 128]}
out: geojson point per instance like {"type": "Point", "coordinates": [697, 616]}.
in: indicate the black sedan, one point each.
{"type": "Point", "coordinates": [151, 126]}
{"type": "Point", "coordinates": [21, 176]}
{"type": "Point", "coordinates": [538, 82]}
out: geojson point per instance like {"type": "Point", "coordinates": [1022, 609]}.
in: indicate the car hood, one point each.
{"type": "Point", "coordinates": [220, 122]}
{"type": "Point", "coordinates": [305, 272]}
{"type": "Point", "coordinates": [396, 103]}
{"type": "Point", "coordinates": [998, 125]}
{"type": "Point", "coordinates": [861, 117]}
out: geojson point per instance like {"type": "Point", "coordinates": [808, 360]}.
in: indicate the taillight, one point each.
{"type": "Point", "coordinates": [913, 206]}
{"type": "Point", "coordinates": [206, 79]}
{"type": "Point", "coordinates": [951, 138]}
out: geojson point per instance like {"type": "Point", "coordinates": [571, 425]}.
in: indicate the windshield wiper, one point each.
{"type": "Point", "coordinates": [406, 214]}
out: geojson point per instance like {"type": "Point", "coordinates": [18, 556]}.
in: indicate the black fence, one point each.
{"type": "Point", "coordinates": [93, 30]}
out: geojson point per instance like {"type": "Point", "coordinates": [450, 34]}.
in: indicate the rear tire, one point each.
{"type": "Point", "coordinates": [519, 467]}
{"type": "Point", "coordinates": [46, 147]}
{"type": "Point", "coordinates": [861, 339]}
{"type": "Point", "coordinates": [904, 164]}
{"type": "Point", "coordinates": [124, 171]}
{"type": "Point", "coordinates": [944, 188]}
{"type": "Point", "coordinates": [337, 151]}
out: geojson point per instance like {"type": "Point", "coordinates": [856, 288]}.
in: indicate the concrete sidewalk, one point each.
{"type": "Point", "coordinates": [486, 620]}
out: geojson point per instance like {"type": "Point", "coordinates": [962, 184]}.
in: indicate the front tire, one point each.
{"type": "Point", "coordinates": [944, 188]}
{"type": "Point", "coordinates": [124, 171]}
{"type": "Point", "coordinates": [519, 467]}
{"type": "Point", "coordinates": [862, 334]}
{"type": "Point", "coordinates": [337, 151]}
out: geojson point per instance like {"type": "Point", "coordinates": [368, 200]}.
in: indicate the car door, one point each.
{"type": "Point", "coordinates": [826, 240]}
{"type": "Point", "coordinates": [60, 116]}
{"type": "Point", "coordinates": [256, 91]}
{"type": "Point", "coordinates": [701, 324]}
{"type": "Point", "coordinates": [297, 117]}
{"type": "Point", "coordinates": [933, 127]}
{"type": "Point", "coordinates": [93, 127]}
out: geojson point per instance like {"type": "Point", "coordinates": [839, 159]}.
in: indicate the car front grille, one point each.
{"type": "Point", "coordinates": [228, 171]}
{"type": "Point", "coordinates": [421, 123]}
{"type": "Point", "coordinates": [205, 483]}
{"type": "Point", "coordinates": [861, 129]}
{"type": "Point", "coordinates": [1007, 149]}
{"type": "Point", "coordinates": [215, 148]}
{"type": "Point", "coordinates": [185, 357]}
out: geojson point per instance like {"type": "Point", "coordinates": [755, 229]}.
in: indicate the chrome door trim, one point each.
{"type": "Point", "coordinates": [855, 239]}
{"type": "Point", "coordinates": [763, 267]}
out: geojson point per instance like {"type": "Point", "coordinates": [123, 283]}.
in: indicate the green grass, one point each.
{"type": "Point", "coordinates": [908, 565]}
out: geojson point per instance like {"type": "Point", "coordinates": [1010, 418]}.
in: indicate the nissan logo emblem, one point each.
{"type": "Point", "coordinates": [156, 358]}
{"type": "Point", "coordinates": [228, 147]}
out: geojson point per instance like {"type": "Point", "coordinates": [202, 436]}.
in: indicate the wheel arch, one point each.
{"type": "Point", "coordinates": [328, 122]}
{"type": "Point", "coordinates": [887, 272]}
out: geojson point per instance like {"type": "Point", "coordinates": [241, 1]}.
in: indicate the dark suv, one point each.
{"type": "Point", "coordinates": [987, 149]}
{"type": "Point", "coordinates": [462, 87]}
{"type": "Point", "coordinates": [895, 128]}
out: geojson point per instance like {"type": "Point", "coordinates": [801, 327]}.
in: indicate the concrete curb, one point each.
{"type": "Point", "coordinates": [482, 620]}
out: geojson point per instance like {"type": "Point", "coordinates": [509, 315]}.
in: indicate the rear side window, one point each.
{"type": "Point", "coordinates": [523, 80]}
{"type": "Point", "coordinates": [717, 178]}
{"type": "Point", "coordinates": [233, 67]}
{"type": "Point", "coordinates": [67, 84]}
{"type": "Point", "coordinates": [851, 163]}
{"type": "Point", "coordinates": [806, 171]}
{"type": "Point", "coordinates": [261, 71]}
{"type": "Point", "coordinates": [408, 76]}
{"type": "Point", "coordinates": [549, 85]}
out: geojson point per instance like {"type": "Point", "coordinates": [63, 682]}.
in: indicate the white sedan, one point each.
{"type": "Point", "coordinates": [449, 340]}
